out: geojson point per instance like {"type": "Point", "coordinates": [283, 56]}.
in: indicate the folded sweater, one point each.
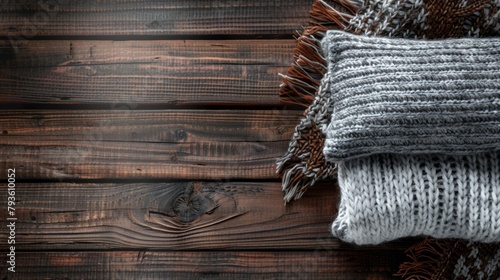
{"type": "Point", "coordinates": [386, 197]}
{"type": "Point", "coordinates": [411, 96]}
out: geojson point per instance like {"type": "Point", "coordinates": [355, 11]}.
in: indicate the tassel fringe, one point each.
{"type": "Point", "coordinates": [304, 163]}
{"type": "Point", "coordinates": [434, 259]}
{"type": "Point", "coordinates": [301, 81]}
{"type": "Point", "coordinates": [427, 259]}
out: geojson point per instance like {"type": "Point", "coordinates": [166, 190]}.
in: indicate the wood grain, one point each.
{"type": "Point", "coordinates": [125, 144]}
{"type": "Point", "coordinates": [296, 265]}
{"type": "Point", "coordinates": [175, 17]}
{"type": "Point", "coordinates": [108, 188]}
{"type": "Point", "coordinates": [173, 216]}
{"type": "Point", "coordinates": [219, 72]}
{"type": "Point", "coordinates": [189, 215]}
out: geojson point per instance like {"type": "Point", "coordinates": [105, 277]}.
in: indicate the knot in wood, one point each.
{"type": "Point", "coordinates": [191, 204]}
{"type": "Point", "coordinates": [189, 207]}
{"type": "Point", "coordinates": [178, 134]}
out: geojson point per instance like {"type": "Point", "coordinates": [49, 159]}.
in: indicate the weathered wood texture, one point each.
{"type": "Point", "coordinates": [115, 190]}
{"type": "Point", "coordinates": [322, 264]}
{"type": "Point", "coordinates": [130, 17]}
{"type": "Point", "coordinates": [125, 144]}
{"type": "Point", "coordinates": [184, 72]}
{"type": "Point", "coordinates": [173, 216]}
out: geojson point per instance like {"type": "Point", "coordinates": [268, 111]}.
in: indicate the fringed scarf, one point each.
{"type": "Point", "coordinates": [434, 259]}
{"type": "Point", "coordinates": [304, 164]}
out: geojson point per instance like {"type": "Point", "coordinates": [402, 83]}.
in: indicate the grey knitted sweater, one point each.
{"type": "Point", "coordinates": [388, 196]}
{"type": "Point", "coordinates": [411, 97]}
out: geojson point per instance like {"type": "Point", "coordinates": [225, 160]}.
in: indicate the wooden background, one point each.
{"type": "Point", "coordinates": [144, 136]}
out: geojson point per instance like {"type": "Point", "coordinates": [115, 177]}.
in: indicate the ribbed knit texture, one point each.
{"type": "Point", "coordinates": [302, 165]}
{"type": "Point", "coordinates": [411, 96]}
{"type": "Point", "coordinates": [385, 197]}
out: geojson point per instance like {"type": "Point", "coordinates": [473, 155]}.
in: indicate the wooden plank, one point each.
{"type": "Point", "coordinates": [243, 72]}
{"type": "Point", "coordinates": [172, 216]}
{"type": "Point", "coordinates": [130, 17]}
{"type": "Point", "coordinates": [327, 265]}
{"type": "Point", "coordinates": [126, 144]}
{"type": "Point", "coordinates": [157, 126]}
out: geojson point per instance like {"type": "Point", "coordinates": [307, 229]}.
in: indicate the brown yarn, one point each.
{"type": "Point", "coordinates": [426, 258]}
{"type": "Point", "coordinates": [301, 81]}
{"type": "Point", "coordinates": [434, 259]}
{"type": "Point", "coordinates": [453, 24]}
{"type": "Point", "coordinates": [310, 142]}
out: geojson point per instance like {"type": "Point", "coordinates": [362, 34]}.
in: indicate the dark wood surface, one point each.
{"type": "Point", "coordinates": [226, 265]}
{"type": "Point", "coordinates": [167, 72]}
{"type": "Point", "coordinates": [144, 136]}
{"type": "Point", "coordinates": [175, 17]}
{"type": "Point", "coordinates": [145, 144]}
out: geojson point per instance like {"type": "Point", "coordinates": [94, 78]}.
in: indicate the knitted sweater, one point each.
{"type": "Point", "coordinates": [385, 197]}
{"type": "Point", "coordinates": [411, 96]}
{"type": "Point", "coordinates": [391, 192]}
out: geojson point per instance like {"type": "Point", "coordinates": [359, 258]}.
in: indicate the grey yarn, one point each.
{"type": "Point", "coordinates": [413, 189]}
{"type": "Point", "coordinates": [411, 96]}
{"type": "Point", "coordinates": [386, 197]}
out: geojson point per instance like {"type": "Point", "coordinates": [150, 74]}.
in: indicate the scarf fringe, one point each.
{"type": "Point", "coordinates": [301, 81]}
{"type": "Point", "coordinates": [427, 259]}
{"type": "Point", "coordinates": [304, 163]}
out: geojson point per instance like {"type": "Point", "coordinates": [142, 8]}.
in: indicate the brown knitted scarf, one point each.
{"type": "Point", "coordinates": [434, 259]}
{"type": "Point", "coordinates": [304, 163]}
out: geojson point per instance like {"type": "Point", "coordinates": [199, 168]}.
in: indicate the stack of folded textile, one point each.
{"type": "Point", "coordinates": [414, 131]}
{"type": "Point", "coordinates": [412, 126]}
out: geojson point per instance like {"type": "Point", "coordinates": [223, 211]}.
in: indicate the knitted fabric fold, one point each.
{"type": "Point", "coordinates": [430, 19]}
{"type": "Point", "coordinates": [411, 96]}
{"type": "Point", "coordinates": [385, 197]}
{"type": "Point", "coordinates": [304, 164]}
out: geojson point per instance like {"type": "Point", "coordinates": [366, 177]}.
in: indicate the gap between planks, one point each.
{"type": "Point", "coordinates": [28, 19]}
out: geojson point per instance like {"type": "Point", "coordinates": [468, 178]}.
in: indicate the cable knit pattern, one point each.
{"type": "Point", "coordinates": [411, 96]}
{"type": "Point", "coordinates": [385, 197]}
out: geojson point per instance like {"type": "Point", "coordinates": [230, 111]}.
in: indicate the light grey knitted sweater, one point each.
{"type": "Point", "coordinates": [411, 96]}
{"type": "Point", "coordinates": [386, 197]}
